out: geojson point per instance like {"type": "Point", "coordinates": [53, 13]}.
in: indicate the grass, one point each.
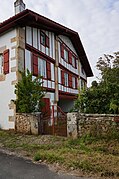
{"type": "Point", "coordinates": [93, 155]}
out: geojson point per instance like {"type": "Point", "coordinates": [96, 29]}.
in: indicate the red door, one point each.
{"type": "Point", "coordinates": [46, 107]}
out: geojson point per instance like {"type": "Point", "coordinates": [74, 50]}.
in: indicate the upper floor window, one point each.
{"type": "Point", "coordinates": [73, 61]}
{"type": "Point", "coordinates": [66, 79]}
{"type": "Point", "coordinates": [66, 54]}
{"type": "Point", "coordinates": [42, 67]}
{"type": "Point", "coordinates": [83, 84]}
{"type": "Point", "coordinates": [82, 70]}
{"type": "Point", "coordinates": [73, 82]}
{"type": "Point", "coordinates": [44, 39]}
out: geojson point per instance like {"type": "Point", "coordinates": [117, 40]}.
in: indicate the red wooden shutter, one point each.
{"type": "Point", "coordinates": [70, 81]}
{"type": "Point", "coordinates": [75, 63]}
{"type": "Point", "coordinates": [76, 82]}
{"type": "Point", "coordinates": [70, 57]}
{"type": "Point", "coordinates": [62, 77]}
{"type": "Point", "coordinates": [49, 70]}
{"type": "Point", "coordinates": [62, 50]}
{"type": "Point", "coordinates": [47, 41]}
{"type": "Point", "coordinates": [35, 65]}
{"type": "Point", "coordinates": [6, 61]}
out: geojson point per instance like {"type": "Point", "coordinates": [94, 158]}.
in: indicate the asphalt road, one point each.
{"type": "Point", "coordinates": [12, 167]}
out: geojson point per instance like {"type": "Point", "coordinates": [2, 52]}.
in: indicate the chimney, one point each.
{"type": "Point", "coordinates": [19, 6]}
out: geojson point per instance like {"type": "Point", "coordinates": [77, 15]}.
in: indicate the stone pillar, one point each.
{"type": "Point", "coordinates": [72, 127]}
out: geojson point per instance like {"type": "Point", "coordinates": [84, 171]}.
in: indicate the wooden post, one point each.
{"type": "Point", "coordinates": [53, 126]}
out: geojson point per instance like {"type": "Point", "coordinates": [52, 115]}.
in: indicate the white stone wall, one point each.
{"type": "Point", "coordinates": [8, 40]}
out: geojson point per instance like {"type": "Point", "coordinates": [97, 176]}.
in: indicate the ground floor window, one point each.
{"type": "Point", "coordinates": [1, 63]}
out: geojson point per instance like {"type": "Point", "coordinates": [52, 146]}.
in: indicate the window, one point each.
{"type": "Point", "coordinates": [44, 39]}
{"type": "Point", "coordinates": [82, 70]}
{"type": "Point", "coordinates": [66, 54]}
{"type": "Point", "coordinates": [65, 79]}
{"type": "Point", "coordinates": [82, 84]}
{"type": "Point", "coordinates": [73, 82]}
{"type": "Point", "coordinates": [42, 67]}
{"type": "Point", "coordinates": [1, 63]}
{"type": "Point", "coordinates": [73, 61]}
{"type": "Point", "coordinates": [4, 62]}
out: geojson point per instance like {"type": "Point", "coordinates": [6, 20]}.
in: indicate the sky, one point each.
{"type": "Point", "coordinates": [96, 21]}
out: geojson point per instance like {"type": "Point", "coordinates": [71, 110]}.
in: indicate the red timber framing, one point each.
{"type": "Point", "coordinates": [66, 95]}
{"type": "Point", "coordinates": [30, 18]}
{"type": "Point", "coordinates": [6, 61]}
{"type": "Point", "coordinates": [36, 51]}
{"type": "Point", "coordinates": [35, 66]}
{"type": "Point", "coordinates": [71, 54]}
{"type": "Point", "coordinates": [70, 75]}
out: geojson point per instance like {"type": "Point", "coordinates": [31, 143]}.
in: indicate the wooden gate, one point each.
{"type": "Point", "coordinates": [53, 122]}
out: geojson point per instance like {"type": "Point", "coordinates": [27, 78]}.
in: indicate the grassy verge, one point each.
{"type": "Point", "coordinates": [88, 154]}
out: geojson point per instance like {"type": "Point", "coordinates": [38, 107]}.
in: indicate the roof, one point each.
{"type": "Point", "coordinates": [28, 17]}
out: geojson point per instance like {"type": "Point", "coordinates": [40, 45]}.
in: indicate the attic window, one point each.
{"type": "Point", "coordinates": [44, 39]}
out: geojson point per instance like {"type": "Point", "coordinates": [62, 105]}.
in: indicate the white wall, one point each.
{"type": "Point", "coordinates": [6, 89]}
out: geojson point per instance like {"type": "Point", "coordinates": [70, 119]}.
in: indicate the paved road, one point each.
{"type": "Point", "coordinates": [12, 167]}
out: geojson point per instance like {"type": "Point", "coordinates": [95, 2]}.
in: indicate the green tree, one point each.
{"type": "Point", "coordinates": [29, 93]}
{"type": "Point", "coordinates": [102, 97]}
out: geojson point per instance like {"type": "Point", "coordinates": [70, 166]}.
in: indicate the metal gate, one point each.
{"type": "Point", "coordinates": [53, 124]}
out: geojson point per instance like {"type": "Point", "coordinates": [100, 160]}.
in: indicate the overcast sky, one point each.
{"type": "Point", "coordinates": [96, 21]}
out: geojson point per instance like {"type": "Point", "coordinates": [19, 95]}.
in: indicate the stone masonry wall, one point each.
{"type": "Point", "coordinates": [27, 123]}
{"type": "Point", "coordinates": [93, 124]}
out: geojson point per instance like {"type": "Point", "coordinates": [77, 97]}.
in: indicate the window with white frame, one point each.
{"type": "Point", "coordinates": [66, 79]}
{"type": "Point", "coordinates": [73, 82]}
{"type": "Point", "coordinates": [66, 54]}
{"type": "Point", "coordinates": [82, 84]}
{"type": "Point", "coordinates": [42, 67]}
{"type": "Point", "coordinates": [73, 61]}
{"type": "Point", "coordinates": [1, 63]}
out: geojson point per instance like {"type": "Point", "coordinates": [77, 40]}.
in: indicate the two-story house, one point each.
{"type": "Point", "coordinates": [31, 41]}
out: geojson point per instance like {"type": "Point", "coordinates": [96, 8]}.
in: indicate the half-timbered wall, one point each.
{"type": "Point", "coordinates": [34, 38]}
{"type": "Point", "coordinates": [8, 80]}
{"type": "Point", "coordinates": [42, 67]}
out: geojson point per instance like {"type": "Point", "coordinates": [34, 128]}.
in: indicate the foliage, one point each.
{"type": "Point", "coordinates": [29, 93]}
{"type": "Point", "coordinates": [102, 97]}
